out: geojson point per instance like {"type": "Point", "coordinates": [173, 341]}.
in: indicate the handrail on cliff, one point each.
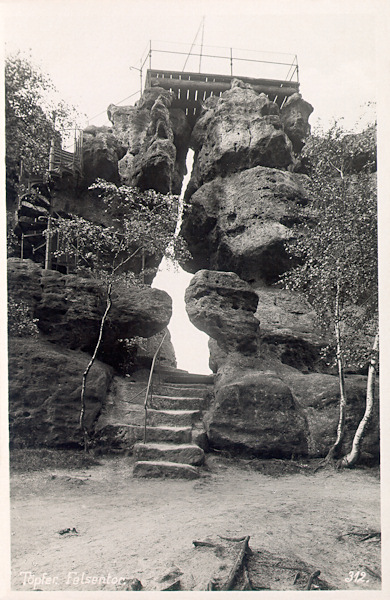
{"type": "Point", "coordinates": [224, 58]}
{"type": "Point", "coordinates": [275, 75]}
{"type": "Point", "coordinates": [150, 382]}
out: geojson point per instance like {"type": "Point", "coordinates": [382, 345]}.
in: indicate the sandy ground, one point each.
{"type": "Point", "coordinates": [139, 528]}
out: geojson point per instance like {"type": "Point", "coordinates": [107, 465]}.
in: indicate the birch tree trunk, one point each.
{"type": "Point", "coordinates": [340, 367]}
{"type": "Point", "coordinates": [93, 357]}
{"type": "Point", "coordinates": [89, 366]}
{"type": "Point", "coordinates": [353, 456]}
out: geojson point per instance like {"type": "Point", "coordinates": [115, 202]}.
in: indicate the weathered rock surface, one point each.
{"type": "Point", "coordinates": [238, 130]}
{"type": "Point", "coordinates": [185, 453]}
{"type": "Point", "coordinates": [222, 305]}
{"type": "Point", "coordinates": [101, 152]}
{"type": "Point", "coordinates": [148, 346]}
{"type": "Point", "coordinates": [69, 308]}
{"type": "Point", "coordinates": [240, 223]}
{"type": "Point", "coordinates": [289, 328]}
{"type": "Point", "coordinates": [150, 133]}
{"type": "Point", "coordinates": [24, 282]}
{"type": "Point", "coordinates": [241, 389]}
{"type": "Point", "coordinates": [295, 115]}
{"type": "Point", "coordinates": [318, 394]}
{"type": "Point", "coordinates": [255, 413]}
{"type": "Point", "coordinates": [164, 469]}
{"type": "Point", "coordinates": [44, 393]}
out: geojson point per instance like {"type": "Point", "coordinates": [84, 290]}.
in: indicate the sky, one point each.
{"type": "Point", "coordinates": [88, 47]}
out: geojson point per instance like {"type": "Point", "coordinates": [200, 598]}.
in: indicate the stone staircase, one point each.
{"type": "Point", "coordinates": [175, 437]}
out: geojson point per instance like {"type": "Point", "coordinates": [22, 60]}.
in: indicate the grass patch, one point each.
{"type": "Point", "coordinates": [38, 459]}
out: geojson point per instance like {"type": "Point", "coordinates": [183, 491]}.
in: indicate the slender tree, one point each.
{"type": "Point", "coordinates": [337, 253]}
{"type": "Point", "coordinates": [142, 223]}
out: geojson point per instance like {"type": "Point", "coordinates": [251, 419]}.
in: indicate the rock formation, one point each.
{"type": "Point", "coordinates": [44, 393]}
{"type": "Point", "coordinates": [240, 222]}
{"type": "Point", "coordinates": [273, 395]}
{"type": "Point", "coordinates": [45, 370]}
{"type": "Point", "coordinates": [147, 347]}
{"type": "Point", "coordinates": [101, 152]}
{"type": "Point", "coordinates": [254, 410]}
{"type": "Point", "coordinates": [295, 118]}
{"type": "Point", "coordinates": [156, 140]}
{"type": "Point", "coordinates": [69, 308]}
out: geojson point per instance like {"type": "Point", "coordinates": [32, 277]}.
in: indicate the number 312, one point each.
{"type": "Point", "coordinates": [357, 577]}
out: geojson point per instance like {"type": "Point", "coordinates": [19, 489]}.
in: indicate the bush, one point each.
{"type": "Point", "coordinates": [20, 321]}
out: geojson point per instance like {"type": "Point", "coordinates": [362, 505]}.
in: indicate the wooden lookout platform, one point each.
{"type": "Point", "coordinates": [191, 89]}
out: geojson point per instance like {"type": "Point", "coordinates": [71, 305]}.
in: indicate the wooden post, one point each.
{"type": "Point", "coordinates": [76, 258]}
{"type": "Point", "coordinates": [48, 245]}
{"type": "Point", "coordinates": [52, 155]}
{"type": "Point", "coordinates": [150, 54]}
{"type": "Point", "coordinates": [143, 265]}
{"type": "Point", "coordinates": [74, 152]}
{"type": "Point", "coordinates": [231, 62]}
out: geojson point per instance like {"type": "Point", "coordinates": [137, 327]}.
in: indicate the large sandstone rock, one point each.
{"type": "Point", "coordinates": [238, 130]}
{"type": "Point", "coordinates": [255, 413]}
{"type": "Point", "coordinates": [222, 305]}
{"type": "Point", "coordinates": [44, 393]}
{"type": "Point", "coordinates": [156, 141]}
{"type": "Point", "coordinates": [242, 386]}
{"type": "Point", "coordinates": [101, 152]}
{"type": "Point", "coordinates": [289, 328]}
{"type": "Point", "coordinates": [69, 308]}
{"type": "Point", "coordinates": [240, 223]}
{"type": "Point", "coordinates": [318, 395]}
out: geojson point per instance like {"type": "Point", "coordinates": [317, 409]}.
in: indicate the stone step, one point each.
{"type": "Point", "coordinates": [188, 454]}
{"type": "Point", "coordinates": [173, 375]}
{"type": "Point", "coordinates": [158, 402]}
{"type": "Point", "coordinates": [176, 418]}
{"type": "Point", "coordinates": [175, 435]}
{"type": "Point", "coordinates": [124, 436]}
{"type": "Point", "coordinates": [188, 378]}
{"type": "Point", "coordinates": [194, 390]}
{"type": "Point", "coordinates": [164, 469]}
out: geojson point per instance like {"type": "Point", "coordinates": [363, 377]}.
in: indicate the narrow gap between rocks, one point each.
{"type": "Point", "coordinates": [190, 344]}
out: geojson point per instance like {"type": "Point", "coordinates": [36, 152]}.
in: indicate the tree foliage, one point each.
{"type": "Point", "coordinates": [338, 259]}
{"type": "Point", "coordinates": [34, 114]}
{"type": "Point", "coordinates": [337, 245]}
{"type": "Point", "coordinates": [139, 223]}
{"type": "Point", "coordinates": [21, 322]}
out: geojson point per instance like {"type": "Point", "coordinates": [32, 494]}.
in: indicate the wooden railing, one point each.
{"type": "Point", "coordinates": [148, 388]}
{"type": "Point", "coordinates": [61, 160]}
{"type": "Point", "coordinates": [220, 60]}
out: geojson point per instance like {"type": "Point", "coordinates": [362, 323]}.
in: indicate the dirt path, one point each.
{"type": "Point", "coordinates": [136, 528]}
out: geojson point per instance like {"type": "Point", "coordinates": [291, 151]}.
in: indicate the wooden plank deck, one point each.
{"type": "Point", "coordinates": [191, 89]}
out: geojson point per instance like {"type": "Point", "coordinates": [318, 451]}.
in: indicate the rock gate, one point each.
{"type": "Point", "coordinates": [273, 397]}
